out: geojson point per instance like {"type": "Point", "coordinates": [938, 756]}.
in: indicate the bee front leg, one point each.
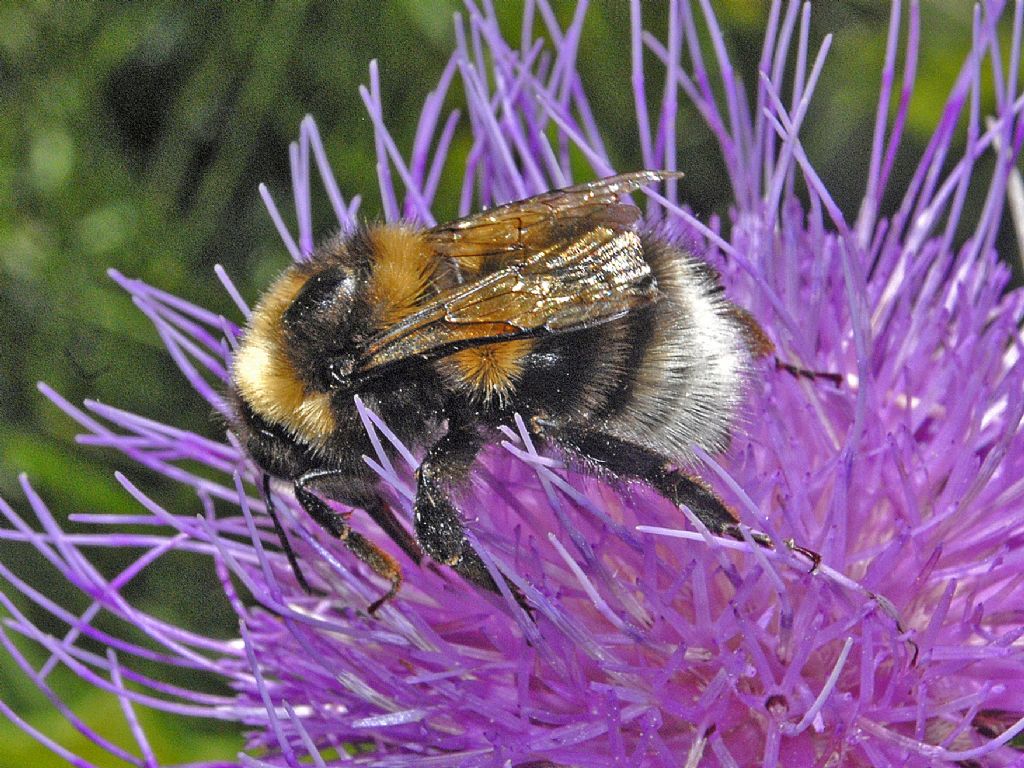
{"type": "Point", "coordinates": [293, 561]}
{"type": "Point", "coordinates": [383, 564]}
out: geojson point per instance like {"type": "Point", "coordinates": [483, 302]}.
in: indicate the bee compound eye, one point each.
{"type": "Point", "coordinates": [324, 301]}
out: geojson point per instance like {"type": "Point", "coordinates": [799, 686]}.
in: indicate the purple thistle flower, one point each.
{"type": "Point", "coordinates": [652, 643]}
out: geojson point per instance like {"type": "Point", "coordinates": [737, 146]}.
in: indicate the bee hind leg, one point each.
{"type": "Point", "coordinates": [620, 458]}
{"type": "Point", "coordinates": [806, 373]}
{"type": "Point", "coordinates": [383, 564]}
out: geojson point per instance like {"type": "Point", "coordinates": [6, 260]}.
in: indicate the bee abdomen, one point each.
{"type": "Point", "coordinates": [667, 376]}
{"type": "Point", "coordinates": [685, 379]}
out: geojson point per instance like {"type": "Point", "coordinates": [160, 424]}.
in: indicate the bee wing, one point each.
{"type": "Point", "coordinates": [596, 276]}
{"type": "Point", "coordinates": [509, 233]}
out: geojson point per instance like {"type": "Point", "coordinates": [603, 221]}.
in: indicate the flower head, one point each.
{"type": "Point", "coordinates": [651, 643]}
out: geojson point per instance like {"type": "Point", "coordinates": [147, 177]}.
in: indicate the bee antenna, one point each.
{"type": "Point", "coordinates": [283, 537]}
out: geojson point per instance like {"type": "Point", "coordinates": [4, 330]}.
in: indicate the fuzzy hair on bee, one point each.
{"type": "Point", "coordinates": [617, 346]}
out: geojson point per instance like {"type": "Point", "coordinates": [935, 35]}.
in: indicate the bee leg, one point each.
{"type": "Point", "coordinates": [806, 373]}
{"type": "Point", "coordinates": [382, 514]}
{"type": "Point", "coordinates": [283, 537]}
{"type": "Point", "coordinates": [438, 523]}
{"type": "Point", "coordinates": [759, 346]}
{"type": "Point", "coordinates": [383, 564]}
{"type": "Point", "coordinates": [624, 459]}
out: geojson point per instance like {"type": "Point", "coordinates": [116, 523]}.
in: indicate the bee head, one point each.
{"type": "Point", "coordinates": [317, 328]}
{"type": "Point", "coordinates": [299, 343]}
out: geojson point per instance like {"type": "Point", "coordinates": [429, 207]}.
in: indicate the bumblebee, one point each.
{"type": "Point", "coordinates": [617, 346]}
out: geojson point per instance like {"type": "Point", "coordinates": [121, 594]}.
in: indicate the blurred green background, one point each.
{"type": "Point", "coordinates": [134, 135]}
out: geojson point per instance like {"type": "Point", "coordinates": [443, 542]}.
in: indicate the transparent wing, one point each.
{"type": "Point", "coordinates": [588, 279]}
{"type": "Point", "coordinates": [509, 233]}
